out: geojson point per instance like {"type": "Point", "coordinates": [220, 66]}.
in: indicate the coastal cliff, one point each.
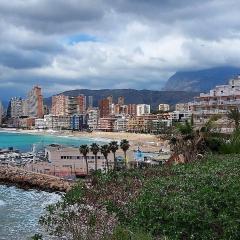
{"type": "Point", "coordinates": [27, 180]}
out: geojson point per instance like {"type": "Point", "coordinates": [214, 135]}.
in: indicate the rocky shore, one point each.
{"type": "Point", "coordinates": [28, 180]}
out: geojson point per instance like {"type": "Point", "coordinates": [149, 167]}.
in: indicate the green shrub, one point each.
{"type": "Point", "coordinates": [231, 145]}
{"type": "Point", "coordinates": [198, 201]}
{"type": "Point", "coordinates": [214, 144]}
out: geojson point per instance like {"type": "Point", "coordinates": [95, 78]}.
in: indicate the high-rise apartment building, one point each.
{"type": "Point", "coordinates": [93, 116]}
{"type": "Point", "coordinates": [72, 107]}
{"type": "Point", "coordinates": [90, 102]}
{"type": "Point", "coordinates": [110, 99]}
{"type": "Point", "coordinates": [59, 105]}
{"type": "Point", "coordinates": [1, 113]}
{"type": "Point", "coordinates": [143, 109]}
{"type": "Point", "coordinates": [104, 108]}
{"type": "Point", "coordinates": [121, 100]}
{"type": "Point", "coordinates": [15, 109]}
{"type": "Point", "coordinates": [132, 109]}
{"type": "Point", "coordinates": [81, 104]}
{"type": "Point", "coordinates": [35, 102]}
{"type": "Point", "coordinates": [25, 107]}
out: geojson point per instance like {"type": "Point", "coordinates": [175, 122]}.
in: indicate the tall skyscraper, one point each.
{"type": "Point", "coordinates": [104, 108]}
{"type": "Point", "coordinates": [90, 102]}
{"type": "Point", "coordinates": [1, 112]}
{"type": "Point", "coordinates": [81, 104]}
{"type": "Point", "coordinates": [35, 102]}
{"type": "Point", "coordinates": [72, 106]}
{"type": "Point", "coordinates": [59, 105]}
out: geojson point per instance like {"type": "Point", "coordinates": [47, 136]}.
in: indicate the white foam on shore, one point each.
{"type": "Point", "coordinates": [56, 134]}
{"type": "Point", "coordinates": [2, 203]}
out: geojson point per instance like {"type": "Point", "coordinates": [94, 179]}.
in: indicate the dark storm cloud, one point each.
{"type": "Point", "coordinates": [63, 44]}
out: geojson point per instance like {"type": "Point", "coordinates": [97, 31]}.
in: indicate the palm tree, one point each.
{"type": "Point", "coordinates": [124, 145]}
{"type": "Point", "coordinates": [234, 115]}
{"type": "Point", "coordinates": [84, 150]}
{"type": "Point", "coordinates": [114, 147]}
{"type": "Point", "coordinates": [105, 150]}
{"type": "Point", "coordinates": [95, 149]}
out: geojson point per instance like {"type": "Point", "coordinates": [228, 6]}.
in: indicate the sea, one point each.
{"type": "Point", "coordinates": [20, 210]}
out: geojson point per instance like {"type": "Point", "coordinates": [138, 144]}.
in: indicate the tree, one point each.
{"type": "Point", "coordinates": [84, 150]}
{"type": "Point", "coordinates": [95, 150]}
{"type": "Point", "coordinates": [234, 115]}
{"type": "Point", "coordinates": [105, 150]}
{"type": "Point", "coordinates": [124, 145]}
{"type": "Point", "coordinates": [114, 147]}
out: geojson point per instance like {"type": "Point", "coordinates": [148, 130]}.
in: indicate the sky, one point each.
{"type": "Point", "coordinates": [63, 45]}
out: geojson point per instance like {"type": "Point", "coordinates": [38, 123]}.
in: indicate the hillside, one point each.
{"type": "Point", "coordinates": [202, 80]}
{"type": "Point", "coordinates": [198, 200]}
{"type": "Point", "coordinates": [134, 96]}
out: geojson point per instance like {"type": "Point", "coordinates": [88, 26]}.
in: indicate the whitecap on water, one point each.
{"type": "Point", "coordinates": [2, 203]}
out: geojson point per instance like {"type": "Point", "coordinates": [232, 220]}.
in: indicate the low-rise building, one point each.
{"type": "Point", "coordinates": [182, 107]}
{"type": "Point", "coordinates": [121, 124]}
{"type": "Point", "coordinates": [107, 124]}
{"type": "Point", "coordinates": [69, 157]}
{"type": "Point", "coordinates": [57, 122]}
{"type": "Point", "coordinates": [217, 101]}
{"type": "Point", "coordinates": [180, 116]}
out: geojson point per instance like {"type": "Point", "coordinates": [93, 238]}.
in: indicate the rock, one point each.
{"type": "Point", "coordinates": [26, 179]}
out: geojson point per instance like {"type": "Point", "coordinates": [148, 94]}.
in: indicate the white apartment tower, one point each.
{"type": "Point", "coordinates": [143, 109]}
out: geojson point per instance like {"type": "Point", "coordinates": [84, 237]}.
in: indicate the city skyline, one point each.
{"type": "Point", "coordinates": [120, 44]}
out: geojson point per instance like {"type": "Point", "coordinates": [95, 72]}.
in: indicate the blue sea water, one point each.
{"type": "Point", "coordinates": [24, 142]}
{"type": "Point", "coordinates": [20, 211]}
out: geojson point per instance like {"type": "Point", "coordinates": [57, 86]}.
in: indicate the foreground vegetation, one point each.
{"type": "Point", "coordinates": [198, 200]}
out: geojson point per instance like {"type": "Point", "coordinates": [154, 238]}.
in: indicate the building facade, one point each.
{"type": "Point", "coordinates": [143, 109]}
{"type": "Point", "coordinates": [35, 103]}
{"type": "Point", "coordinates": [218, 101]}
{"type": "Point", "coordinates": [164, 107]}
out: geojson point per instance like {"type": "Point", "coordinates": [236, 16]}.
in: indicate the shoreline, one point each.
{"type": "Point", "coordinates": [133, 138]}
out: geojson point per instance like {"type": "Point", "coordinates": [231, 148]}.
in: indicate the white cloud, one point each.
{"type": "Point", "coordinates": [139, 44]}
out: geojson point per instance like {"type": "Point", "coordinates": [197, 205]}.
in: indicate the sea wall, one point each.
{"type": "Point", "coordinates": [28, 180]}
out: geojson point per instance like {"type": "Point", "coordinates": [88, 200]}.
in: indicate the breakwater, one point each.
{"type": "Point", "coordinates": [30, 180]}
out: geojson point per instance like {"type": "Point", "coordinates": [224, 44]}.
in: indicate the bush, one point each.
{"type": "Point", "coordinates": [231, 145]}
{"type": "Point", "coordinates": [199, 200]}
{"type": "Point", "coordinates": [214, 144]}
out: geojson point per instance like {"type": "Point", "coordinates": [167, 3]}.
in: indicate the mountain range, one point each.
{"type": "Point", "coordinates": [202, 80]}
{"type": "Point", "coordinates": [154, 98]}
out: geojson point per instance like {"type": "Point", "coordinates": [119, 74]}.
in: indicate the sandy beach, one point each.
{"type": "Point", "coordinates": [146, 141]}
